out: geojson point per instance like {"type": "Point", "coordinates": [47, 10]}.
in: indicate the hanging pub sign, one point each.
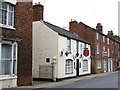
{"type": "Point", "coordinates": [86, 52]}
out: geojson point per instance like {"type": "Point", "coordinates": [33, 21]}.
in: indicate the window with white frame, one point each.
{"type": "Point", "coordinates": [68, 44]}
{"type": "Point", "coordinates": [8, 59]}
{"type": "Point", "coordinates": [108, 52]}
{"type": "Point", "coordinates": [6, 14]}
{"type": "Point", "coordinates": [103, 48]}
{"type": "Point", "coordinates": [99, 66]}
{"type": "Point", "coordinates": [97, 47]}
{"type": "Point", "coordinates": [103, 38]}
{"type": "Point", "coordinates": [97, 36]}
{"type": "Point", "coordinates": [85, 65]}
{"type": "Point", "coordinates": [69, 66]}
{"type": "Point", "coordinates": [108, 40]}
{"type": "Point", "coordinates": [77, 46]}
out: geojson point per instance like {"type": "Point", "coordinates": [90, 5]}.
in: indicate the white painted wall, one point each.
{"type": "Point", "coordinates": [81, 72]}
{"type": "Point", "coordinates": [8, 82]}
{"type": "Point", "coordinates": [45, 44]}
{"type": "Point", "coordinates": [62, 46]}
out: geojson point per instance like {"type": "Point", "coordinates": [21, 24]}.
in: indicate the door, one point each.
{"type": "Point", "coordinates": [105, 66]}
{"type": "Point", "coordinates": [109, 65]}
{"type": "Point", "coordinates": [77, 67]}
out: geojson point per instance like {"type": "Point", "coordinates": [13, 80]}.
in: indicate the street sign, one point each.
{"type": "Point", "coordinates": [104, 53]}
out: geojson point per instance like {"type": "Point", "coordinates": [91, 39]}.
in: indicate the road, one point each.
{"type": "Point", "coordinates": [103, 81]}
{"type": "Point", "coordinates": [108, 81]}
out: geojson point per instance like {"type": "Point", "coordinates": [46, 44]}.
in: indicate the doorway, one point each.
{"type": "Point", "coordinates": [77, 67]}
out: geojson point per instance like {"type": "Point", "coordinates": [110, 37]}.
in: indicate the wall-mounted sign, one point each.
{"type": "Point", "coordinates": [104, 53]}
{"type": "Point", "coordinates": [86, 52]}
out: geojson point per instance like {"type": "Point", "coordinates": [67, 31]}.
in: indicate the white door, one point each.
{"type": "Point", "coordinates": [109, 65]}
{"type": "Point", "coordinates": [105, 66]}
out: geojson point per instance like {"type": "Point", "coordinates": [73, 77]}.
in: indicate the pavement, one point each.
{"type": "Point", "coordinates": [48, 84]}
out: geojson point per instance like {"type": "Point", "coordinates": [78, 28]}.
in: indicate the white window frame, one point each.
{"type": "Point", "coordinates": [69, 66]}
{"type": "Point", "coordinates": [97, 36]}
{"type": "Point", "coordinates": [7, 25]}
{"type": "Point", "coordinates": [69, 44]}
{"type": "Point", "coordinates": [108, 52]}
{"type": "Point", "coordinates": [108, 40]}
{"type": "Point", "coordinates": [97, 47]}
{"type": "Point", "coordinates": [85, 65]}
{"type": "Point", "coordinates": [13, 69]}
{"type": "Point", "coordinates": [99, 65]}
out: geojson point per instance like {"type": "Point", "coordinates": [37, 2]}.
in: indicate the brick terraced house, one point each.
{"type": "Point", "coordinates": [15, 43]}
{"type": "Point", "coordinates": [105, 49]}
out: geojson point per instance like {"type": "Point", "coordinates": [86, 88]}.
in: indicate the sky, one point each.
{"type": "Point", "coordinates": [90, 12]}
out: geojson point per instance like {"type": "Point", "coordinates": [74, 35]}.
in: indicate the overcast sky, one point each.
{"type": "Point", "coordinates": [90, 12]}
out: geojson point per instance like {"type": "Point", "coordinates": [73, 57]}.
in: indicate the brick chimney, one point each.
{"type": "Point", "coordinates": [73, 26]}
{"type": "Point", "coordinates": [110, 33]}
{"type": "Point", "coordinates": [99, 27]}
{"type": "Point", "coordinates": [38, 10]}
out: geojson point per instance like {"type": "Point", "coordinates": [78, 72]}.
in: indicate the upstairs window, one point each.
{"type": "Point", "coordinates": [97, 36]}
{"type": "Point", "coordinates": [69, 44]}
{"type": "Point", "coordinates": [108, 40]}
{"type": "Point", "coordinates": [97, 47]}
{"type": "Point", "coordinates": [6, 14]}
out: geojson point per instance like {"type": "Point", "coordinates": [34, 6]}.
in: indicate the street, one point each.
{"type": "Point", "coordinates": [108, 81]}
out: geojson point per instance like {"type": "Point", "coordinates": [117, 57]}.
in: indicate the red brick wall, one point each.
{"type": "Point", "coordinates": [23, 25]}
{"type": "Point", "coordinates": [89, 34]}
{"type": "Point", "coordinates": [38, 12]}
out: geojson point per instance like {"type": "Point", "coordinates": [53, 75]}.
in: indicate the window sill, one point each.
{"type": "Point", "coordinates": [7, 77]}
{"type": "Point", "coordinates": [85, 70]}
{"type": "Point", "coordinates": [7, 27]}
{"type": "Point", "coordinates": [99, 67]}
{"type": "Point", "coordinates": [68, 73]}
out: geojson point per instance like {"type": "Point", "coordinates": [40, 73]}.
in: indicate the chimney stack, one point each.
{"type": "Point", "coordinates": [38, 10]}
{"type": "Point", "coordinates": [110, 33]}
{"type": "Point", "coordinates": [99, 27]}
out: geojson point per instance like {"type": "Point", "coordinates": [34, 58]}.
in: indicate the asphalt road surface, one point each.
{"type": "Point", "coordinates": [108, 81]}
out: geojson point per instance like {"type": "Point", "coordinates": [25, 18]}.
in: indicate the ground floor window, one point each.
{"type": "Point", "coordinates": [8, 60]}
{"type": "Point", "coordinates": [85, 65]}
{"type": "Point", "coordinates": [69, 66]}
{"type": "Point", "coordinates": [99, 66]}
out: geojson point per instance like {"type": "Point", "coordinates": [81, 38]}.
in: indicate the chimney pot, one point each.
{"type": "Point", "coordinates": [99, 27]}
{"type": "Point", "coordinates": [38, 3]}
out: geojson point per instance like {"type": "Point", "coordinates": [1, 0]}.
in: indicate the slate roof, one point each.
{"type": "Point", "coordinates": [64, 32]}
